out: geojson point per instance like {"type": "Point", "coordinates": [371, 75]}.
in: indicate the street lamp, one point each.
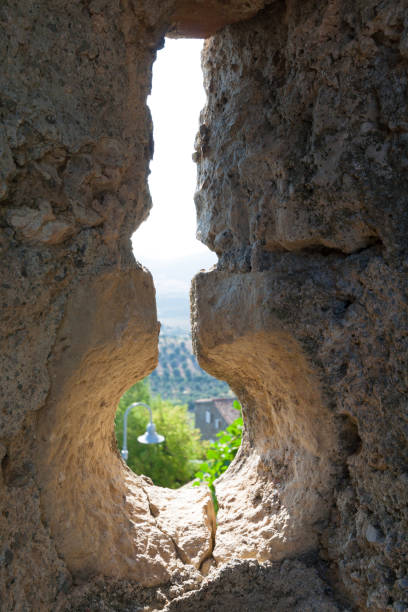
{"type": "Point", "coordinates": [150, 437]}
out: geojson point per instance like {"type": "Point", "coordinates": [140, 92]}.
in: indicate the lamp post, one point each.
{"type": "Point", "coordinates": [149, 437]}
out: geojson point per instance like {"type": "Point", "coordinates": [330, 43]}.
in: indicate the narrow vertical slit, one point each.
{"type": "Point", "coordinates": [182, 395]}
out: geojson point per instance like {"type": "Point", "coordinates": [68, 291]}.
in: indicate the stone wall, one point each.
{"type": "Point", "coordinates": [302, 192]}
{"type": "Point", "coordinates": [302, 155]}
{"type": "Point", "coordinates": [78, 313]}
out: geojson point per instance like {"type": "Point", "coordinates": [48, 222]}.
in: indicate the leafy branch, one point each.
{"type": "Point", "coordinates": [220, 454]}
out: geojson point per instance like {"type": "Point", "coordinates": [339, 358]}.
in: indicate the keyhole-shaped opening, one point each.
{"type": "Point", "coordinates": [190, 407]}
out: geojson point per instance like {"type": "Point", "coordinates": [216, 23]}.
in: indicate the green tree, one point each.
{"type": "Point", "coordinates": [171, 463]}
{"type": "Point", "coordinates": [220, 454]}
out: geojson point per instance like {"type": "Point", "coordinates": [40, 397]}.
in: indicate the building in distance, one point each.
{"type": "Point", "coordinates": [214, 415]}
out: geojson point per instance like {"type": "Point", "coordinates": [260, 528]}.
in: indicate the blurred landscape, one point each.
{"type": "Point", "coordinates": [178, 376]}
{"type": "Point", "coordinates": [172, 279]}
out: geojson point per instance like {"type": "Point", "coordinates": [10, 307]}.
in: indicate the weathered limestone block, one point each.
{"type": "Point", "coordinates": [108, 335]}
{"type": "Point", "coordinates": [302, 154]}
{"type": "Point", "coordinates": [303, 142]}
{"type": "Point", "coordinates": [199, 19]}
{"type": "Point", "coordinates": [74, 137]}
{"type": "Point", "coordinates": [245, 331]}
{"type": "Point", "coordinates": [302, 192]}
{"type": "Point", "coordinates": [173, 508]}
{"type": "Point", "coordinates": [78, 314]}
{"type": "Point", "coordinates": [290, 586]}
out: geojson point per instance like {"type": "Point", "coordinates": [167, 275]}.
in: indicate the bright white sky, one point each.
{"type": "Point", "coordinates": [176, 100]}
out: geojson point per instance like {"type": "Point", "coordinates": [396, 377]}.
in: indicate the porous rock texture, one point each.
{"type": "Point", "coordinates": [302, 165]}
{"type": "Point", "coordinates": [302, 192]}
{"type": "Point", "coordinates": [248, 585]}
{"type": "Point", "coordinates": [79, 321]}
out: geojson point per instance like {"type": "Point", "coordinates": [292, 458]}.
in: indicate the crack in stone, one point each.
{"type": "Point", "coordinates": [155, 513]}
{"type": "Point", "coordinates": [213, 522]}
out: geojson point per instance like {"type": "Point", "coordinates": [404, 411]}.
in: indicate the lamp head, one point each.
{"type": "Point", "coordinates": [151, 436]}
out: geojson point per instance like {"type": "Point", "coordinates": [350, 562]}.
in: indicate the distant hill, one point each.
{"type": "Point", "coordinates": [173, 311]}
{"type": "Point", "coordinates": [172, 279]}
{"type": "Point", "coordinates": [178, 375]}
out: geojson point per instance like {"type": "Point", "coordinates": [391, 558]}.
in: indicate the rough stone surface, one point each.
{"type": "Point", "coordinates": [78, 313]}
{"type": "Point", "coordinates": [302, 192]}
{"type": "Point", "coordinates": [202, 19]}
{"type": "Point", "coordinates": [293, 585]}
{"type": "Point", "coordinates": [171, 510]}
{"type": "Point", "coordinates": [248, 586]}
{"type": "Point", "coordinates": [312, 97]}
